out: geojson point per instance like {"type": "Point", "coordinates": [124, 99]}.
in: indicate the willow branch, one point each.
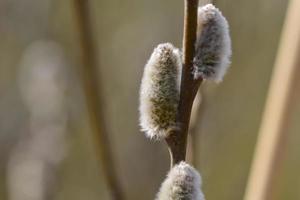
{"type": "Point", "coordinates": [196, 113]}
{"type": "Point", "coordinates": [93, 96]}
{"type": "Point", "coordinates": [177, 140]}
{"type": "Point", "coordinates": [273, 131]}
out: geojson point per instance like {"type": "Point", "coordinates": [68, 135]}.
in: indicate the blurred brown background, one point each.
{"type": "Point", "coordinates": [43, 33]}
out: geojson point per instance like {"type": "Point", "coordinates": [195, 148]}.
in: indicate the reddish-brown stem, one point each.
{"type": "Point", "coordinates": [177, 140]}
{"type": "Point", "coordinates": [93, 97]}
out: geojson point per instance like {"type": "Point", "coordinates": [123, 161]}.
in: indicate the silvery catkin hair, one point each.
{"type": "Point", "coordinates": [159, 93]}
{"type": "Point", "coordinates": [182, 183]}
{"type": "Point", "coordinates": [213, 45]}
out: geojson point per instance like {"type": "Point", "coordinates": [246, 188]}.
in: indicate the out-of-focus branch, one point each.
{"type": "Point", "coordinates": [192, 146]}
{"type": "Point", "coordinates": [273, 131]}
{"type": "Point", "coordinates": [94, 98]}
{"type": "Point", "coordinates": [177, 141]}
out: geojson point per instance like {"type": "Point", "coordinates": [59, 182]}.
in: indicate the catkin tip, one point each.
{"type": "Point", "coordinates": [213, 45]}
{"type": "Point", "coordinates": [182, 182]}
{"type": "Point", "coordinates": [159, 93]}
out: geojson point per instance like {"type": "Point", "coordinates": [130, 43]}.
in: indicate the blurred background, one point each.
{"type": "Point", "coordinates": [47, 150]}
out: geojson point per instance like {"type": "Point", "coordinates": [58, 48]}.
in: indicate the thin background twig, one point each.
{"type": "Point", "coordinates": [193, 135]}
{"type": "Point", "coordinates": [273, 132]}
{"type": "Point", "coordinates": [93, 97]}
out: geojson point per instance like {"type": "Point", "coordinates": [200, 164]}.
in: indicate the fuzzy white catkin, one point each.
{"type": "Point", "coordinates": [213, 45]}
{"type": "Point", "coordinates": [159, 93]}
{"type": "Point", "coordinates": [182, 183]}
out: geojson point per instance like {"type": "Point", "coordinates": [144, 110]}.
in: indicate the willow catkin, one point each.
{"type": "Point", "coordinates": [159, 93]}
{"type": "Point", "coordinates": [213, 45]}
{"type": "Point", "coordinates": [182, 183]}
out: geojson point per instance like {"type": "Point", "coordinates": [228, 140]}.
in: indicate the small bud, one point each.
{"type": "Point", "coordinates": [213, 45]}
{"type": "Point", "coordinates": [182, 182]}
{"type": "Point", "coordinates": [159, 93]}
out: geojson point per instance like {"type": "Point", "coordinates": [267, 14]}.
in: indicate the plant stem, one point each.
{"type": "Point", "coordinates": [273, 131]}
{"type": "Point", "coordinates": [93, 97]}
{"type": "Point", "coordinates": [177, 140]}
{"type": "Point", "coordinates": [193, 135]}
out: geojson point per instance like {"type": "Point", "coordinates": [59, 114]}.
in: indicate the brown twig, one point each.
{"type": "Point", "coordinates": [193, 135]}
{"type": "Point", "coordinates": [273, 132]}
{"type": "Point", "coordinates": [177, 140]}
{"type": "Point", "coordinates": [93, 96]}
